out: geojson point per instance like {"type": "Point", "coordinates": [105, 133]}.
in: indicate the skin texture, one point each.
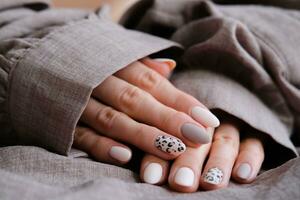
{"type": "Point", "coordinates": [154, 107]}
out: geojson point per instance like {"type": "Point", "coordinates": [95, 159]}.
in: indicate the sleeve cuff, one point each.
{"type": "Point", "coordinates": [51, 84]}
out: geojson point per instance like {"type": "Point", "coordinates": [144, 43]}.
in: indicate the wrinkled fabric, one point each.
{"type": "Point", "coordinates": [51, 60]}
{"type": "Point", "coordinates": [241, 60]}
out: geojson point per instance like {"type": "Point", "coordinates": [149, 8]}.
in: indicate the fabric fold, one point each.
{"type": "Point", "coordinates": [240, 59]}
{"type": "Point", "coordinates": [54, 79]}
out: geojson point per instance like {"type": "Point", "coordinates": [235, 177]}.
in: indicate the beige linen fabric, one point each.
{"type": "Point", "coordinates": [243, 60]}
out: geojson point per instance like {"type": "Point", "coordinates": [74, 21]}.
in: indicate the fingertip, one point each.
{"type": "Point", "coordinates": [249, 161]}
{"type": "Point", "coordinates": [121, 154]}
{"type": "Point", "coordinates": [163, 66]}
{"type": "Point", "coordinates": [154, 170]}
{"type": "Point", "coordinates": [170, 62]}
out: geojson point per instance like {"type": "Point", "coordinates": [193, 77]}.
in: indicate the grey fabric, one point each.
{"type": "Point", "coordinates": [243, 60]}
{"type": "Point", "coordinates": [37, 174]}
{"type": "Point", "coordinates": [50, 61]}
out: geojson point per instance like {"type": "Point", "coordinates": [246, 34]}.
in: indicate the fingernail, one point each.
{"type": "Point", "coordinates": [119, 153]}
{"type": "Point", "coordinates": [195, 133]}
{"type": "Point", "coordinates": [205, 117]}
{"type": "Point", "coordinates": [213, 176]}
{"type": "Point", "coordinates": [170, 145]}
{"type": "Point", "coordinates": [171, 63]}
{"type": "Point", "coordinates": [244, 171]}
{"type": "Point", "coordinates": [153, 173]}
{"type": "Point", "coordinates": [184, 177]}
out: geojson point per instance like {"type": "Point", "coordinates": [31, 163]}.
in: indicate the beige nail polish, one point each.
{"type": "Point", "coordinates": [244, 171]}
{"type": "Point", "coordinates": [205, 117]}
{"type": "Point", "coordinates": [120, 153]}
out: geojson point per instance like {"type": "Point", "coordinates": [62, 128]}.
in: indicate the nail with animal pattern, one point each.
{"type": "Point", "coordinates": [169, 145]}
{"type": "Point", "coordinates": [213, 176]}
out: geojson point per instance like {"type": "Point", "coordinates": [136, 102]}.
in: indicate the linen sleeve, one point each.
{"type": "Point", "coordinates": [50, 61]}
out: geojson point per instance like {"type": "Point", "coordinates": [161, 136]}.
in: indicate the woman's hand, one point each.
{"type": "Point", "coordinates": [227, 158]}
{"type": "Point", "coordinates": [139, 106]}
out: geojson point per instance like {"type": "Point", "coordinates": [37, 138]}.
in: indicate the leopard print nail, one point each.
{"type": "Point", "coordinates": [169, 145]}
{"type": "Point", "coordinates": [214, 176]}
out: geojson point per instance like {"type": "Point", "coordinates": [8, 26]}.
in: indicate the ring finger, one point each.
{"type": "Point", "coordinates": [223, 153]}
{"type": "Point", "coordinates": [119, 126]}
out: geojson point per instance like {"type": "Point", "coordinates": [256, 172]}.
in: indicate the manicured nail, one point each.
{"type": "Point", "coordinates": [244, 171]}
{"type": "Point", "coordinates": [171, 63]}
{"type": "Point", "coordinates": [195, 133]}
{"type": "Point", "coordinates": [153, 173]}
{"type": "Point", "coordinates": [120, 153]}
{"type": "Point", "coordinates": [205, 117]}
{"type": "Point", "coordinates": [170, 145]}
{"type": "Point", "coordinates": [184, 177]}
{"type": "Point", "coordinates": [213, 176]}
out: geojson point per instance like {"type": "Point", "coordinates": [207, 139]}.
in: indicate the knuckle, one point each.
{"type": "Point", "coordinates": [139, 135]}
{"type": "Point", "coordinates": [96, 145]}
{"type": "Point", "coordinates": [106, 117]}
{"type": "Point", "coordinates": [149, 80]}
{"type": "Point", "coordinates": [226, 138]}
{"type": "Point", "coordinates": [228, 141]}
{"type": "Point", "coordinates": [130, 98]}
{"type": "Point", "coordinates": [81, 134]}
{"type": "Point", "coordinates": [173, 117]}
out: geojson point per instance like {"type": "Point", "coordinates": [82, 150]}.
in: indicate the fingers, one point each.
{"type": "Point", "coordinates": [118, 126]}
{"type": "Point", "coordinates": [154, 170]}
{"type": "Point", "coordinates": [142, 107]}
{"type": "Point", "coordinates": [160, 88]}
{"type": "Point", "coordinates": [223, 153]}
{"type": "Point", "coordinates": [249, 160]}
{"type": "Point", "coordinates": [186, 170]}
{"type": "Point", "coordinates": [101, 148]}
{"type": "Point", "coordinates": [163, 66]}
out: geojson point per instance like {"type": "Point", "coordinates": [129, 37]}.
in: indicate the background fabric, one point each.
{"type": "Point", "coordinates": [248, 55]}
{"type": "Point", "coordinates": [243, 60]}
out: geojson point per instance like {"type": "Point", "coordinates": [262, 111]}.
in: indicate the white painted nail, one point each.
{"type": "Point", "coordinates": [213, 176]}
{"type": "Point", "coordinates": [120, 153]}
{"type": "Point", "coordinates": [184, 177]}
{"type": "Point", "coordinates": [205, 117]}
{"type": "Point", "coordinates": [244, 171]}
{"type": "Point", "coordinates": [171, 63]}
{"type": "Point", "coordinates": [153, 173]}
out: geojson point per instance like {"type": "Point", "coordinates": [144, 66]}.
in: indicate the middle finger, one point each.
{"type": "Point", "coordinates": [144, 108]}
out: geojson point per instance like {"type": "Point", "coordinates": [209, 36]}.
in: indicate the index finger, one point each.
{"type": "Point", "coordinates": [159, 87]}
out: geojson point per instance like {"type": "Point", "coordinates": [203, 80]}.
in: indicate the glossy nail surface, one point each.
{"type": "Point", "coordinates": [195, 134]}
{"type": "Point", "coordinates": [153, 173]}
{"type": "Point", "coordinates": [213, 176]}
{"type": "Point", "coordinates": [205, 117]}
{"type": "Point", "coordinates": [244, 171]}
{"type": "Point", "coordinates": [170, 145]}
{"type": "Point", "coordinates": [184, 177]}
{"type": "Point", "coordinates": [120, 153]}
